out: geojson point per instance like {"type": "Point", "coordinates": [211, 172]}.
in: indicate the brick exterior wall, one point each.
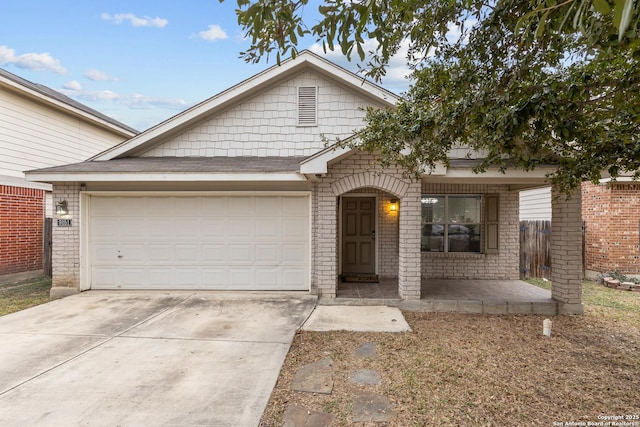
{"type": "Point", "coordinates": [611, 215]}
{"type": "Point", "coordinates": [21, 229]}
{"type": "Point", "coordinates": [361, 173]}
{"type": "Point", "coordinates": [66, 242]}
{"type": "Point", "coordinates": [566, 249]}
{"type": "Point", "coordinates": [504, 265]}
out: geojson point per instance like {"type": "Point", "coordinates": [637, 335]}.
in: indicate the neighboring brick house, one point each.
{"type": "Point", "coordinates": [241, 192]}
{"type": "Point", "coordinates": [611, 219]}
{"type": "Point", "coordinates": [611, 215]}
{"type": "Point", "coordinates": [39, 127]}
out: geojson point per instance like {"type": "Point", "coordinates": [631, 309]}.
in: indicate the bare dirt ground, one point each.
{"type": "Point", "coordinates": [480, 370]}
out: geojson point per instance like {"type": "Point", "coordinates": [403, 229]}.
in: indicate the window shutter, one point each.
{"type": "Point", "coordinates": [491, 224]}
{"type": "Point", "coordinates": [307, 106]}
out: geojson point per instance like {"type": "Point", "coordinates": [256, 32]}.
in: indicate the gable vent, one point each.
{"type": "Point", "coordinates": [307, 106]}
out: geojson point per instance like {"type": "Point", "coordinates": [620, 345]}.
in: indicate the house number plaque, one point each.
{"type": "Point", "coordinates": [63, 222]}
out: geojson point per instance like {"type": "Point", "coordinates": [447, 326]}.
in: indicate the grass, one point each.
{"type": "Point", "coordinates": [18, 296]}
{"type": "Point", "coordinates": [480, 370]}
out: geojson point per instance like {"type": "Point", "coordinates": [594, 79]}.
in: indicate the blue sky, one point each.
{"type": "Point", "coordinates": [140, 61]}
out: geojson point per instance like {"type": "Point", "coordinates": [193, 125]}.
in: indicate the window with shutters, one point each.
{"type": "Point", "coordinates": [451, 223]}
{"type": "Point", "coordinates": [307, 106]}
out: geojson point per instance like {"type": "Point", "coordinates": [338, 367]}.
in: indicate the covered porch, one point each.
{"type": "Point", "coordinates": [453, 295]}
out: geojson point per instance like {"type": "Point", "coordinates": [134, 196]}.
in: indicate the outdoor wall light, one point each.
{"type": "Point", "coordinates": [62, 208]}
{"type": "Point", "coordinates": [393, 207]}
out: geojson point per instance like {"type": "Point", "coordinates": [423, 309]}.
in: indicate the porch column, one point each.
{"type": "Point", "coordinates": [566, 252]}
{"type": "Point", "coordinates": [327, 243]}
{"type": "Point", "coordinates": [409, 267]}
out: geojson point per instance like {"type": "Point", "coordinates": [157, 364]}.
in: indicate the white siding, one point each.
{"type": "Point", "coordinates": [266, 125]}
{"type": "Point", "coordinates": [33, 136]}
{"type": "Point", "coordinates": [535, 204]}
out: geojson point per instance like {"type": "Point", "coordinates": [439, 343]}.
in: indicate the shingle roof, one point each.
{"type": "Point", "coordinates": [50, 93]}
{"type": "Point", "coordinates": [181, 165]}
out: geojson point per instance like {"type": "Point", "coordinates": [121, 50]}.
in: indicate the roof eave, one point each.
{"type": "Point", "coordinates": [51, 177]}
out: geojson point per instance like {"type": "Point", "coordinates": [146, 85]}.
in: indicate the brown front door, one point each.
{"type": "Point", "coordinates": [358, 235]}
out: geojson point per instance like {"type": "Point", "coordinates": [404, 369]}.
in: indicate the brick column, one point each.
{"type": "Point", "coordinates": [66, 243]}
{"type": "Point", "coordinates": [326, 254]}
{"type": "Point", "coordinates": [566, 252]}
{"type": "Point", "coordinates": [409, 246]}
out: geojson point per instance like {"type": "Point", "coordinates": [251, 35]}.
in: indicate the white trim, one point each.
{"type": "Point", "coordinates": [377, 225]}
{"type": "Point", "coordinates": [85, 246]}
{"type": "Point", "coordinates": [619, 179]}
{"type": "Point", "coordinates": [14, 181]}
{"type": "Point", "coordinates": [161, 177]}
{"type": "Point", "coordinates": [247, 88]}
{"type": "Point", "coordinates": [318, 163]}
{"type": "Point", "coordinates": [179, 193]}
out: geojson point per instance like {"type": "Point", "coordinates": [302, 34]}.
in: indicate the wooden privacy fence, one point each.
{"type": "Point", "coordinates": [535, 249]}
{"type": "Point", "coordinates": [46, 247]}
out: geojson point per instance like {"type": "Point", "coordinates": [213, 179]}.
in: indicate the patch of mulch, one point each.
{"type": "Point", "coordinates": [476, 370]}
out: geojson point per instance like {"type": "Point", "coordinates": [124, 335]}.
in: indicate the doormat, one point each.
{"type": "Point", "coordinates": [360, 278]}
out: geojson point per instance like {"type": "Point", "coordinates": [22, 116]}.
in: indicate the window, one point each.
{"type": "Point", "coordinates": [451, 223]}
{"type": "Point", "coordinates": [307, 106]}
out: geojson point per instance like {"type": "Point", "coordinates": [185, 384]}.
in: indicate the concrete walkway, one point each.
{"type": "Point", "coordinates": [147, 358]}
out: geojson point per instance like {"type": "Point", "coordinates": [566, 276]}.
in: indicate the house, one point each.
{"type": "Point", "coordinates": [241, 192]}
{"type": "Point", "coordinates": [611, 222]}
{"type": "Point", "coordinates": [39, 127]}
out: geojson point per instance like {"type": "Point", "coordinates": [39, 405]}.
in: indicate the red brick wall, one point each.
{"type": "Point", "coordinates": [21, 223]}
{"type": "Point", "coordinates": [611, 215]}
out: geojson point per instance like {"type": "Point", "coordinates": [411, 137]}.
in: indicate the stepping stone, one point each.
{"type": "Point", "coordinates": [371, 407]}
{"type": "Point", "coordinates": [367, 349]}
{"type": "Point", "coordinates": [298, 416]}
{"type": "Point", "coordinates": [365, 376]}
{"type": "Point", "coordinates": [314, 378]}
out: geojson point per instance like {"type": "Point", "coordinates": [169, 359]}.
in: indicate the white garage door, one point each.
{"type": "Point", "coordinates": [208, 242]}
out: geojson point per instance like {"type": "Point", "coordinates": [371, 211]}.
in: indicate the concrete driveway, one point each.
{"type": "Point", "coordinates": [146, 358]}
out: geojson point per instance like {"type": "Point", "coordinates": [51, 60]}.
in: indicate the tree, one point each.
{"type": "Point", "coordinates": [525, 83]}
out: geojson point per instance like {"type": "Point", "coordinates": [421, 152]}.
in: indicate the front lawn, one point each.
{"type": "Point", "coordinates": [25, 294]}
{"type": "Point", "coordinates": [481, 370]}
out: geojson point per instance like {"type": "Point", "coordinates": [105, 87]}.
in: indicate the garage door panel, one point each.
{"type": "Point", "coordinates": [242, 229]}
{"type": "Point", "coordinates": [199, 242]}
{"type": "Point", "coordinates": [267, 277]}
{"type": "Point", "coordinates": [241, 278]}
{"type": "Point", "coordinates": [160, 253]}
{"type": "Point", "coordinates": [188, 254]}
{"type": "Point", "coordinates": [269, 229]}
{"type": "Point", "coordinates": [241, 206]}
{"type": "Point", "coordinates": [188, 278]}
{"type": "Point", "coordinates": [214, 254]}
{"type": "Point", "coordinates": [241, 253]}
{"type": "Point", "coordinates": [267, 254]}
{"type": "Point", "coordinates": [155, 277]}
{"type": "Point", "coordinates": [215, 228]}
{"type": "Point", "coordinates": [295, 253]}
{"type": "Point", "coordinates": [294, 229]}
{"type": "Point", "coordinates": [133, 254]}
{"type": "Point", "coordinates": [216, 278]}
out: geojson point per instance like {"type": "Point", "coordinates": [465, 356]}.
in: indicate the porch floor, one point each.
{"type": "Point", "coordinates": [447, 295]}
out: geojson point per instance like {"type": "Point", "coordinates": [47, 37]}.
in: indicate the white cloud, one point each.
{"type": "Point", "coordinates": [213, 33]}
{"type": "Point", "coordinates": [134, 101]}
{"type": "Point", "coordinates": [31, 61]}
{"type": "Point", "coordinates": [134, 20]}
{"type": "Point", "coordinates": [73, 85]}
{"type": "Point", "coordinates": [398, 72]}
{"type": "Point", "coordinates": [98, 76]}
